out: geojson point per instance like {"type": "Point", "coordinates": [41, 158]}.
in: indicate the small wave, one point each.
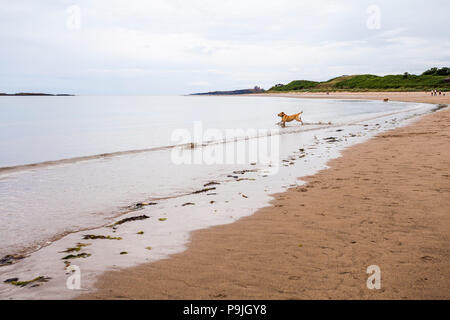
{"type": "Point", "coordinates": [288, 130]}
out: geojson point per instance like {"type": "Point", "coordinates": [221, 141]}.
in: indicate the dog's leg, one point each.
{"type": "Point", "coordinates": [299, 119]}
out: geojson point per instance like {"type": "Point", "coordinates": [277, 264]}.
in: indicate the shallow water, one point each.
{"type": "Point", "coordinates": [41, 204]}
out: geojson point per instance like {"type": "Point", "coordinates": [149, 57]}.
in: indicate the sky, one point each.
{"type": "Point", "coordinates": [163, 47]}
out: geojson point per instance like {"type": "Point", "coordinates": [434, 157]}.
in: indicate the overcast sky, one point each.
{"type": "Point", "coordinates": [182, 46]}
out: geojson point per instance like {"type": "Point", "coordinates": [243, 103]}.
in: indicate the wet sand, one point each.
{"type": "Point", "coordinates": [424, 97]}
{"type": "Point", "coordinates": [384, 202]}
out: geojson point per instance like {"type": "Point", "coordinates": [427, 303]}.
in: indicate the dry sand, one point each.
{"type": "Point", "coordinates": [385, 202]}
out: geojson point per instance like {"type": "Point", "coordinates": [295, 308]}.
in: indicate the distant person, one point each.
{"type": "Point", "coordinates": [440, 93]}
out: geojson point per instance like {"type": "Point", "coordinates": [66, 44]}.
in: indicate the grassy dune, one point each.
{"type": "Point", "coordinates": [369, 82]}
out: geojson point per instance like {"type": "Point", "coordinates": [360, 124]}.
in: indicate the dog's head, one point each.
{"type": "Point", "coordinates": [281, 114]}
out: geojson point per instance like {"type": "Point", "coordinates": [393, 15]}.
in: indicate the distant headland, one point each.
{"type": "Point", "coordinates": [432, 79]}
{"type": "Point", "coordinates": [36, 94]}
{"type": "Point", "coordinates": [233, 92]}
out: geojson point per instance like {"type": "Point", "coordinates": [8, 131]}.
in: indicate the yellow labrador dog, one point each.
{"type": "Point", "coordinates": [285, 118]}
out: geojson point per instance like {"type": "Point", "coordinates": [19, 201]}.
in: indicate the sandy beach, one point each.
{"type": "Point", "coordinates": [424, 97]}
{"type": "Point", "coordinates": [384, 202]}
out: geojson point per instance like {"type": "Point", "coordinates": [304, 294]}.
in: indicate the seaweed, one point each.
{"type": "Point", "coordinates": [93, 237]}
{"type": "Point", "coordinates": [124, 252]}
{"type": "Point", "coordinates": [331, 139]}
{"type": "Point", "coordinates": [68, 250]}
{"type": "Point", "coordinates": [148, 248]}
{"type": "Point", "coordinates": [143, 217]}
{"type": "Point", "coordinates": [141, 205]}
{"type": "Point", "coordinates": [10, 259]}
{"type": "Point", "coordinates": [210, 183]}
{"type": "Point", "coordinates": [188, 204]}
{"type": "Point", "coordinates": [439, 107]}
{"type": "Point", "coordinates": [204, 190]}
{"type": "Point", "coordinates": [245, 171]}
{"type": "Point", "coordinates": [11, 280]}
{"type": "Point", "coordinates": [16, 282]}
{"type": "Point", "coordinates": [162, 219]}
{"type": "Point", "coordinates": [140, 232]}
{"type": "Point", "coordinates": [80, 255]}
{"type": "Point", "coordinates": [78, 247]}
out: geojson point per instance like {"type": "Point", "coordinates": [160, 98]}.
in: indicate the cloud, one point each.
{"type": "Point", "coordinates": [173, 46]}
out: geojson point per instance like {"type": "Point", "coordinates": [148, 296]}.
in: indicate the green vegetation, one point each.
{"type": "Point", "coordinates": [16, 282]}
{"type": "Point", "coordinates": [73, 256]}
{"type": "Point", "coordinates": [77, 248]}
{"type": "Point", "coordinates": [295, 85]}
{"type": "Point", "coordinates": [143, 217]}
{"type": "Point", "coordinates": [431, 79]}
{"type": "Point", "coordinates": [438, 72]}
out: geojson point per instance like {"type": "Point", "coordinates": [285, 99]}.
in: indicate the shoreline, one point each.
{"type": "Point", "coordinates": [261, 256]}
{"type": "Point", "coordinates": [421, 97]}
